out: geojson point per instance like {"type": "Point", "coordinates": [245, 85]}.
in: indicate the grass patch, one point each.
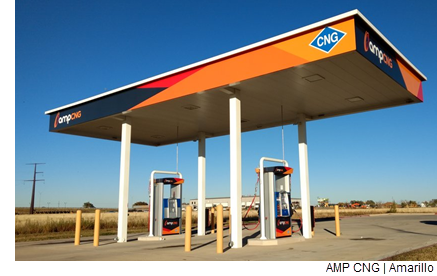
{"type": "Point", "coordinates": [49, 229]}
{"type": "Point", "coordinates": [428, 253]}
{"type": "Point", "coordinates": [61, 226]}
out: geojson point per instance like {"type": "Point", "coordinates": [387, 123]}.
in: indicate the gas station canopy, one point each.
{"type": "Point", "coordinates": [339, 66]}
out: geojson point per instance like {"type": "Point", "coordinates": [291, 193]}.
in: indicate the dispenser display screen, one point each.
{"type": "Point", "coordinates": [282, 204]}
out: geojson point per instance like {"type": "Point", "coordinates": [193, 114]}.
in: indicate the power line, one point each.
{"type": "Point", "coordinates": [32, 201]}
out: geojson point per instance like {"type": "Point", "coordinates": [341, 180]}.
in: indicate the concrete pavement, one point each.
{"type": "Point", "coordinates": [368, 238]}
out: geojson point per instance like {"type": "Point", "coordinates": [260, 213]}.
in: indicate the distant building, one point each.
{"type": "Point", "coordinates": [246, 201]}
{"type": "Point", "coordinates": [140, 208]}
{"type": "Point", "coordinates": [323, 202]}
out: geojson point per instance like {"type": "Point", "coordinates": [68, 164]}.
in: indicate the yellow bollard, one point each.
{"type": "Point", "coordinates": [188, 228]}
{"type": "Point", "coordinates": [229, 220]}
{"type": "Point", "coordinates": [97, 228]}
{"type": "Point", "coordinates": [220, 229]}
{"type": "Point", "coordinates": [212, 221]}
{"type": "Point", "coordinates": [313, 220]}
{"type": "Point", "coordinates": [78, 226]}
{"type": "Point", "coordinates": [337, 221]}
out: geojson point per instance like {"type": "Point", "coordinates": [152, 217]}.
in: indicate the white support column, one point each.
{"type": "Point", "coordinates": [235, 169]}
{"type": "Point", "coordinates": [201, 172]}
{"type": "Point", "coordinates": [304, 178]}
{"type": "Point", "coordinates": [124, 181]}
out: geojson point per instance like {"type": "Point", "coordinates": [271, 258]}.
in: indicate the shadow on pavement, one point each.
{"type": "Point", "coordinates": [429, 222]}
{"type": "Point", "coordinates": [329, 231]}
{"type": "Point", "coordinates": [404, 231]}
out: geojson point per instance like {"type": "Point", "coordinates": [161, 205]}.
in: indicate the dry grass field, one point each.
{"type": "Point", "coordinates": [20, 219]}
{"type": "Point", "coordinates": [28, 225]}
{"type": "Point", "coordinates": [58, 226]}
{"type": "Point", "coordinates": [143, 216]}
{"type": "Point", "coordinates": [329, 212]}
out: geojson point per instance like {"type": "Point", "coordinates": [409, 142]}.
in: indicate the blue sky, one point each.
{"type": "Point", "coordinates": [67, 51]}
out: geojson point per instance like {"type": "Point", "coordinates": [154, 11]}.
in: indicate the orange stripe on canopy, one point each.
{"type": "Point", "coordinates": [238, 68]}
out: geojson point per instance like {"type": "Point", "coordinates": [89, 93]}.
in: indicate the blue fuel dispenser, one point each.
{"type": "Point", "coordinates": [275, 204]}
{"type": "Point", "coordinates": [165, 212]}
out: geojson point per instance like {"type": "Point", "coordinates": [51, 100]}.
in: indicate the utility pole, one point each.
{"type": "Point", "coordinates": [32, 202]}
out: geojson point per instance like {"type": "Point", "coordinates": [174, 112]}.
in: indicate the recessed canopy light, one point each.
{"type": "Point", "coordinates": [314, 78]}
{"type": "Point", "coordinates": [229, 90]}
{"type": "Point", "coordinates": [355, 99]}
{"type": "Point", "coordinates": [191, 107]}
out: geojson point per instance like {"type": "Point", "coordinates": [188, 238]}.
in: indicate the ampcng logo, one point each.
{"type": "Point", "coordinates": [369, 45]}
{"type": "Point", "coordinates": [171, 223]}
{"type": "Point", "coordinates": [66, 118]}
{"type": "Point", "coordinates": [327, 39]}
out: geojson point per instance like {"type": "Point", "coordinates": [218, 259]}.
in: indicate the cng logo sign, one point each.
{"type": "Point", "coordinates": [66, 118]}
{"type": "Point", "coordinates": [327, 39]}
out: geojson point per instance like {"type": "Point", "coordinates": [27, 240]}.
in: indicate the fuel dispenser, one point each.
{"type": "Point", "coordinates": [165, 213]}
{"type": "Point", "coordinates": [275, 205]}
